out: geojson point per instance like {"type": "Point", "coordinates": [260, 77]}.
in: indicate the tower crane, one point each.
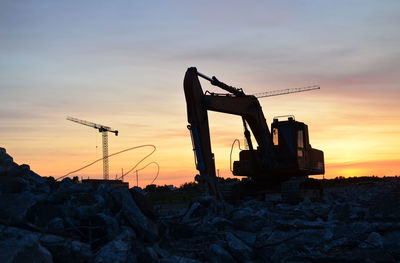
{"type": "Point", "coordinates": [284, 91]}
{"type": "Point", "coordinates": [104, 130]}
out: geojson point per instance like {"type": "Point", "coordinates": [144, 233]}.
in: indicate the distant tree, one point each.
{"type": "Point", "coordinates": [151, 188]}
{"type": "Point", "coordinates": [189, 187]}
{"type": "Point", "coordinates": [228, 180]}
{"type": "Point", "coordinates": [50, 179]}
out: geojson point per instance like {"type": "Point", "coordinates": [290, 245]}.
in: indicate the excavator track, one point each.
{"type": "Point", "coordinates": [291, 191]}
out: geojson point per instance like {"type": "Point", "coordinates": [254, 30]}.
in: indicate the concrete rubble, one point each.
{"type": "Point", "coordinates": [45, 221]}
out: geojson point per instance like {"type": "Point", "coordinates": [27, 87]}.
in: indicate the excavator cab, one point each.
{"type": "Point", "coordinates": [291, 154]}
{"type": "Point", "coordinates": [293, 150]}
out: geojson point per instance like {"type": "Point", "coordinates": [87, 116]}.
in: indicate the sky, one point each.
{"type": "Point", "coordinates": [122, 63]}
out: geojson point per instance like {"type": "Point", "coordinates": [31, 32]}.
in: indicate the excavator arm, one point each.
{"type": "Point", "coordinates": [199, 129]}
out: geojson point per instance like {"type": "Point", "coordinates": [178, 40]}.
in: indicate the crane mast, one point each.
{"type": "Point", "coordinates": [104, 132]}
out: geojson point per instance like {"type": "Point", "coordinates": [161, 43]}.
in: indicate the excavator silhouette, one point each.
{"type": "Point", "coordinates": [279, 157]}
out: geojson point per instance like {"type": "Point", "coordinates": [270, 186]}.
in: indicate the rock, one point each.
{"type": "Point", "coordinates": [179, 259]}
{"type": "Point", "coordinates": [119, 250]}
{"type": "Point", "coordinates": [239, 250]}
{"type": "Point", "coordinates": [144, 227]}
{"type": "Point", "coordinates": [67, 221]}
{"type": "Point", "coordinates": [391, 240]}
{"type": "Point", "coordinates": [98, 229]}
{"type": "Point", "coordinates": [27, 249]}
{"type": "Point", "coordinates": [277, 237]}
{"type": "Point", "coordinates": [149, 255]}
{"type": "Point", "coordinates": [56, 224]}
{"type": "Point", "coordinates": [191, 212]}
{"type": "Point", "coordinates": [340, 229]}
{"type": "Point", "coordinates": [64, 250]}
{"type": "Point", "coordinates": [15, 207]}
{"type": "Point", "coordinates": [329, 234]}
{"type": "Point", "coordinates": [280, 253]}
{"type": "Point", "coordinates": [139, 196]}
{"type": "Point", "coordinates": [43, 211]}
{"type": "Point", "coordinates": [340, 212]}
{"type": "Point", "coordinates": [162, 253]}
{"type": "Point", "coordinates": [247, 220]}
{"type": "Point", "coordinates": [358, 213]}
{"type": "Point", "coordinates": [247, 237]}
{"type": "Point", "coordinates": [374, 240]}
{"type": "Point", "coordinates": [5, 158]}
{"type": "Point", "coordinates": [263, 235]}
{"type": "Point", "coordinates": [82, 251]}
{"type": "Point", "coordinates": [263, 213]}
{"type": "Point", "coordinates": [218, 254]}
{"type": "Point", "coordinates": [110, 225]}
{"type": "Point", "coordinates": [321, 210]}
{"type": "Point", "coordinates": [336, 243]}
{"type": "Point", "coordinates": [361, 227]}
{"type": "Point", "coordinates": [67, 189]}
{"type": "Point", "coordinates": [12, 184]}
{"type": "Point", "coordinates": [220, 223]}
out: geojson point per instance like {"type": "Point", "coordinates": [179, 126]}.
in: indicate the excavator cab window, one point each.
{"type": "Point", "coordinates": [275, 137]}
{"type": "Point", "coordinates": [300, 143]}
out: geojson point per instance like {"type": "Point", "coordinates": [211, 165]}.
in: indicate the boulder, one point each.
{"type": "Point", "coordinates": [64, 250]}
{"type": "Point", "coordinates": [247, 237]}
{"type": "Point", "coordinates": [239, 250]}
{"type": "Point", "coordinates": [119, 250]}
{"type": "Point", "coordinates": [277, 237]}
{"type": "Point", "coordinates": [247, 220]}
{"type": "Point", "coordinates": [374, 240]}
{"type": "Point", "coordinates": [25, 249]}
{"type": "Point", "coordinates": [131, 213]}
{"type": "Point", "coordinates": [218, 254]}
{"type": "Point", "coordinates": [12, 184]}
{"type": "Point", "coordinates": [180, 259]}
{"type": "Point", "coordinates": [335, 243]}
{"type": "Point", "coordinates": [15, 207]}
{"type": "Point", "coordinates": [5, 158]}
{"type": "Point", "coordinates": [191, 212]}
{"type": "Point", "coordinates": [43, 211]}
{"type": "Point", "coordinates": [220, 223]}
{"type": "Point", "coordinates": [148, 254]}
{"type": "Point", "coordinates": [56, 224]}
{"type": "Point", "coordinates": [139, 196]}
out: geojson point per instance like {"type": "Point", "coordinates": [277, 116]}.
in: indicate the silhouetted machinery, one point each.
{"type": "Point", "coordinates": [283, 154]}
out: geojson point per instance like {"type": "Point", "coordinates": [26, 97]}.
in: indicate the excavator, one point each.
{"type": "Point", "coordinates": [281, 156]}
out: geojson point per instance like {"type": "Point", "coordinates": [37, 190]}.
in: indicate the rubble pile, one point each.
{"type": "Point", "coordinates": [358, 223]}
{"type": "Point", "coordinates": [45, 221]}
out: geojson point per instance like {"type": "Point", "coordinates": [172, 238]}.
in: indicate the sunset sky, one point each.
{"type": "Point", "coordinates": [122, 63]}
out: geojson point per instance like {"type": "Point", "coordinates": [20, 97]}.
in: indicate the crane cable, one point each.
{"type": "Point", "coordinates": [128, 149]}
{"type": "Point", "coordinates": [230, 158]}
{"type": "Point", "coordinates": [158, 170]}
